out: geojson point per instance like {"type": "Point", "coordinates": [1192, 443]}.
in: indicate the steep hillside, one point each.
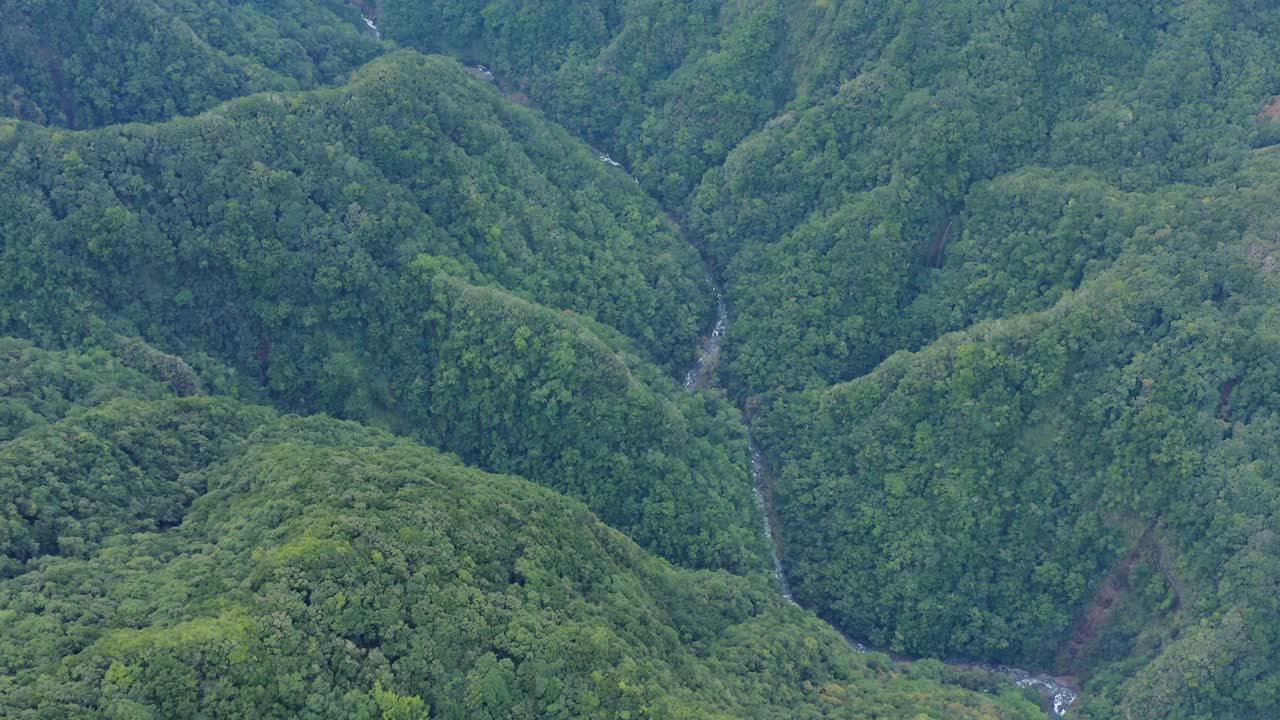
{"type": "Point", "coordinates": [995, 283]}
{"type": "Point", "coordinates": [1084, 193]}
{"type": "Point", "coordinates": [407, 249]}
{"type": "Point", "coordinates": [197, 557]}
{"type": "Point", "coordinates": [922, 195]}
{"type": "Point", "coordinates": [89, 64]}
{"type": "Point", "coordinates": [993, 479]}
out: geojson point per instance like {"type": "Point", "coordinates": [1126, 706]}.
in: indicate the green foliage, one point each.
{"type": "Point", "coordinates": [40, 387]}
{"type": "Point", "coordinates": [348, 248]}
{"type": "Point", "coordinates": [89, 64]}
{"type": "Point", "coordinates": [97, 452]}
{"type": "Point", "coordinates": [992, 479]}
{"type": "Point", "coordinates": [297, 201]}
{"type": "Point", "coordinates": [669, 87]}
{"type": "Point", "coordinates": [1069, 186]}
{"type": "Point", "coordinates": [326, 570]}
{"type": "Point", "coordinates": [1002, 282]}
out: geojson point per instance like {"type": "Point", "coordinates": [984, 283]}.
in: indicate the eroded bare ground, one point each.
{"type": "Point", "coordinates": [1112, 591]}
{"type": "Point", "coordinates": [1272, 110]}
{"type": "Point", "coordinates": [1265, 254]}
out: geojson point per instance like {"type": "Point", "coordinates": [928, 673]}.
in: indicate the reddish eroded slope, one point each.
{"type": "Point", "coordinates": [1111, 593]}
{"type": "Point", "coordinates": [1272, 110]}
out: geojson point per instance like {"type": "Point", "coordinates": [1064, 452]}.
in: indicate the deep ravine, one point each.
{"type": "Point", "coordinates": [699, 376]}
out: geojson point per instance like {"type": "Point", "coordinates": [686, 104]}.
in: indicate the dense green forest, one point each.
{"type": "Point", "coordinates": [1002, 297]}
{"type": "Point", "coordinates": [407, 249]}
{"type": "Point", "coordinates": [1086, 191]}
{"type": "Point", "coordinates": [86, 64]}
{"type": "Point", "coordinates": [199, 557]}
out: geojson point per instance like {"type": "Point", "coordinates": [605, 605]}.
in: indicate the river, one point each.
{"type": "Point", "coordinates": [1061, 695]}
{"type": "Point", "coordinates": [1058, 693]}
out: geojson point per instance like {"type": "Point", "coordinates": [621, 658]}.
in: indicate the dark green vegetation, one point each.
{"type": "Point", "coordinates": [201, 558]}
{"type": "Point", "coordinates": [1002, 471]}
{"type": "Point", "coordinates": [1082, 189]}
{"type": "Point", "coordinates": [378, 251]}
{"type": "Point", "coordinates": [78, 63]}
{"type": "Point", "coordinates": [1004, 319]}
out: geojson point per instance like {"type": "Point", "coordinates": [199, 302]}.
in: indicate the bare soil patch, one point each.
{"type": "Point", "coordinates": [1272, 110]}
{"type": "Point", "coordinates": [1112, 591]}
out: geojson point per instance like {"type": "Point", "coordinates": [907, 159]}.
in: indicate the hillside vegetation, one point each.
{"type": "Point", "coordinates": [197, 557]}
{"type": "Point", "coordinates": [88, 64]}
{"type": "Point", "coordinates": [1078, 190]}
{"type": "Point", "coordinates": [1002, 299]}
{"type": "Point", "coordinates": [406, 249]}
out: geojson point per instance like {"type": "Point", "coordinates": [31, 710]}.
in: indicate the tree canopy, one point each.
{"type": "Point", "coordinates": [199, 557]}
{"type": "Point", "coordinates": [1001, 290]}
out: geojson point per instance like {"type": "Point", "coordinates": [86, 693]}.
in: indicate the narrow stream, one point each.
{"type": "Point", "coordinates": [699, 376]}
{"type": "Point", "coordinates": [764, 495]}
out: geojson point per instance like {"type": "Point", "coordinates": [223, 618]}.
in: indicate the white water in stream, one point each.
{"type": "Point", "coordinates": [1062, 696]}
{"type": "Point", "coordinates": [699, 376]}
{"type": "Point", "coordinates": [760, 486]}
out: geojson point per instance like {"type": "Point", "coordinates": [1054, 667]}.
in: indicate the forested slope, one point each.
{"type": "Point", "coordinates": [87, 64]}
{"type": "Point", "coordinates": [1084, 192]}
{"type": "Point", "coordinates": [969, 191]}
{"type": "Point", "coordinates": [197, 557]}
{"type": "Point", "coordinates": [995, 477]}
{"type": "Point", "coordinates": [352, 250]}
{"type": "Point", "coordinates": [1002, 292]}
{"type": "Point", "coordinates": [326, 188]}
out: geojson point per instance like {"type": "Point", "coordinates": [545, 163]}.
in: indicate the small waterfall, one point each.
{"type": "Point", "coordinates": [709, 355]}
